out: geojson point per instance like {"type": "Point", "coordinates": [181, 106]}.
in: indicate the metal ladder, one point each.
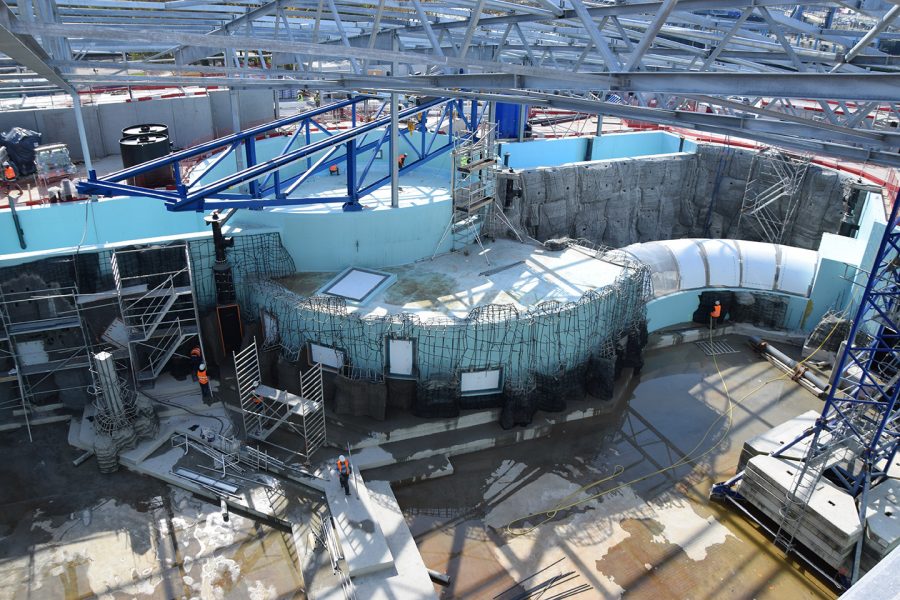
{"type": "Point", "coordinates": [312, 389]}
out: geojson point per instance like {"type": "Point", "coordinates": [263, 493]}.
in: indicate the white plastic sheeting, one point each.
{"type": "Point", "coordinates": [689, 264]}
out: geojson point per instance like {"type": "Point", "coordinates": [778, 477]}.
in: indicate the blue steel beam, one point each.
{"type": "Point", "coordinates": [252, 172]}
{"type": "Point", "coordinates": [193, 198]}
{"type": "Point", "coordinates": [177, 157]}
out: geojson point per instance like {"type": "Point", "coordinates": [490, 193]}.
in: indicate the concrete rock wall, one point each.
{"type": "Point", "coordinates": [621, 202]}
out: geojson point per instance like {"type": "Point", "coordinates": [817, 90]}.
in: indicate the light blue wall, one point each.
{"type": "Point", "coordinates": [271, 147]}
{"type": "Point", "coordinates": [630, 145]}
{"type": "Point", "coordinates": [332, 241]}
{"type": "Point", "coordinates": [549, 153]}
{"type": "Point", "coordinates": [679, 308]}
{"type": "Point", "coordinates": [544, 153]}
{"type": "Point", "coordinates": [107, 221]}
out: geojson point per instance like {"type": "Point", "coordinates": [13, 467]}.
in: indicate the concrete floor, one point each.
{"type": "Point", "coordinates": [68, 532]}
{"type": "Point", "coordinates": [505, 272]}
{"type": "Point", "coordinates": [71, 532]}
{"type": "Point", "coordinates": [647, 529]}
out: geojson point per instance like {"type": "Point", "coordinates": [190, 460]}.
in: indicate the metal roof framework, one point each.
{"type": "Point", "coordinates": [820, 76]}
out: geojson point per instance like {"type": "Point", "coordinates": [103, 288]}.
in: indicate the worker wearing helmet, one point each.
{"type": "Point", "coordinates": [715, 314]}
{"type": "Point", "coordinates": [203, 378]}
{"type": "Point", "coordinates": [344, 470]}
{"type": "Point", "coordinates": [196, 361]}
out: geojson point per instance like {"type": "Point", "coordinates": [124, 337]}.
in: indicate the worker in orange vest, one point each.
{"type": "Point", "coordinates": [401, 160]}
{"type": "Point", "coordinates": [203, 378]}
{"type": "Point", "coordinates": [10, 177]}
{"type": "Point", "coordinates": [196, 359]}
{"type": "Point", "coordinates": [334, 170]}
{"type": "Point", "coordinates": [715, 315]}
{"type": "Point", "coordinates": [344, 470]}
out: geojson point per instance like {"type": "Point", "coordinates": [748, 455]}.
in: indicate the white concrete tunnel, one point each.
{"type": "Point", "coordinates": [691, 264]}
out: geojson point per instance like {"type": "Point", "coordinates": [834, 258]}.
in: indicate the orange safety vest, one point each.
{"type": "Point", "coordinates": [195, 351]}
{"type": "Point", "coordinates": [716, 311]}
{"type": "Point", "coordinates": [9, 173]}
{"type": "Point", "coordinates": [333, 168]}
{"type": "Point", "coordinates": [201, 377]}
{"type": "Point", "coordinates": [344, 467]}
{"type": "Point", "coordinates": [257, 399]}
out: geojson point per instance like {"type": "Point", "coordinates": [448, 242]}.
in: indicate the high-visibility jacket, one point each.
{"type": "Point", "coordinates": [716, 311]}
{"type": "Point", "coordinates": [343, 467]}
{"type": "Point", "coordinates": [195, 351]}
{"type": "Point", "coordinates": [202, 377]}
{"type": "Point", "coordinates": [9, 173]}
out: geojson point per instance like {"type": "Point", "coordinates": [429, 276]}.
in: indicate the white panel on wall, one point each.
{"type": "Point", "coordinates": [691, 266]}
{"type": "Point", "coordinates": [759, 265]}
{"type": "Point", "coordinates": [326, 356]}
{"type": "Point", "coordinates": [400, 357]}
{"type": "Point", "coordinates": [723, 262]}
{"type": "Point", "coordinates": [480, 382]}
{"type": "Point", "coordinates": [797, 270]}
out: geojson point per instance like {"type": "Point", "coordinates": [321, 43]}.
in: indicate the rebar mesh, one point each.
{"type": "Point", "coordinates": [252, 257]}
{"type": "Point", "coordinates": [553, 340]}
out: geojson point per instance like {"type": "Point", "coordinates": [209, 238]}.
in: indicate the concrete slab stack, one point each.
{"type": "Point", "coordinates": [882, 521]}
{"type": "Point", "coordinates": [830, 526]}
{"type": "Point", "coordinates": [778, 436]}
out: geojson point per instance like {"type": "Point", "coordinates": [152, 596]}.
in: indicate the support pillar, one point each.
{"type": "Point", "coordinates": [82, 136]}
{"type": "Point", "coordinates": [395, 153]}
{"type": "Point", "coordinates": [523, 117]}
{"type": "Point", "coordinates": [599, 125]}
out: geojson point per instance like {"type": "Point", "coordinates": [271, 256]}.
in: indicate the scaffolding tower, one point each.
{"type": "Point", "coordinates": [154, 289]}
{"type": "Point", "coordinates": [265, 409]}
{"type": "Point", "coordinates": [473, 182]}
{"type": "Point", "coordinates": [44, 345]}
{"type": "Point", "coordinates": [772, 195]}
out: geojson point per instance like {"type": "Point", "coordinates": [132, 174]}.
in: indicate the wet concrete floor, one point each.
{"type": "Point", "coordinates": [71, 532]}
{"type": "Point", "coordinates": [636, 521]}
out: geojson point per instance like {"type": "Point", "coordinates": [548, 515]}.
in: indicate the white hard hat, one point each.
{"type": "Point", "coordinates": [202, 366]}
{"type": "Point", "coordinates": [341, 458]}
{"type": "Point", "coordinates": [717, 301]}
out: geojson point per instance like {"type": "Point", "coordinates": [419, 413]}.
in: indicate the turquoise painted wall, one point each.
{"type": "Point", "coordinates": [630, 145]}
{"type": "Point", "coordinates": [106, 221]}
{"type": "Point", "coordinates": [679, 308]}
{"type": "Point", "coordinates": [332, 241]}
{"type": "Point", "coordinates": [544, 153]}
{"type": "Point", "coordinates": [548, 153]}
{"type": "Point", "coordinates": [270, 148]}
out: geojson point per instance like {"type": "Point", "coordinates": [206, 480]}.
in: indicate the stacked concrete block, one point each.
{"type": "Point", "coordinates": [829, 527]}
{"type": "Point", "coordinates": [882, 520]}
{"type": "Point", "coordinates": [778, 436]}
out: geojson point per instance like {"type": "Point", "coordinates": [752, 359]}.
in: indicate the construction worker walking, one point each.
{"type": "Point", "coordinates": [715, 315]}
{"type": "Point", "coordinates": [196, 361]}
{"type": "Point", "coordinates": [344, 471]}
{"type": "Point", "coordinates": [203, 378]}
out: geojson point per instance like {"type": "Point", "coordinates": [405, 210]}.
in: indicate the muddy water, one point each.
{"type": "Point", "coordinates": [71, 533]}
{"type": "Point", "coordinates": [640, 523]}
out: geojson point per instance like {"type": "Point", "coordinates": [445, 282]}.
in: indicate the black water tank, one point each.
{"type": "Point", "coordinates": [138, 150]}
{"type": "Point", "coordinates": [145, 129]}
